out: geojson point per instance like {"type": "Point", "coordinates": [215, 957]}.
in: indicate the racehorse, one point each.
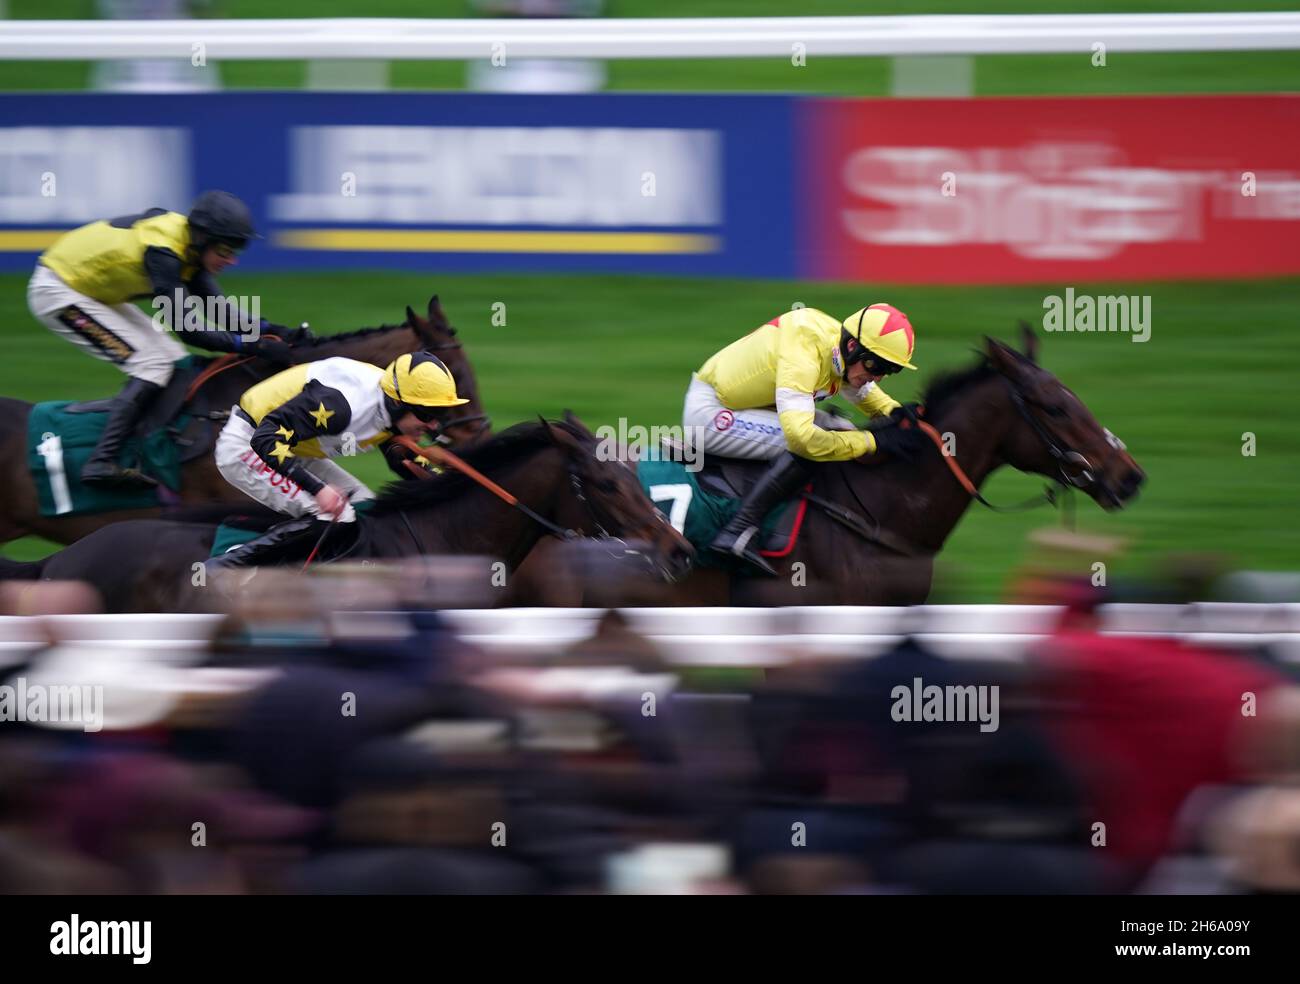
{"type": "Point", "coordinates": [561, 485]}
{"type": "Point", "coordinates": [872, 534]}
{"type": "Point", "coordinates": [218, 388]}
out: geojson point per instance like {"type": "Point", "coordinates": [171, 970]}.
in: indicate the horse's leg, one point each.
{"type": "Point", "coordinates": [18, 502]}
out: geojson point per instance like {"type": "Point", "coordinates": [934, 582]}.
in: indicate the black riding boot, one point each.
{"type": "Point", "coordinates": [786, 474]}
{"type": "Point", "coordinates": [128, 407]}
{"type": "Point", "coordinates": [284, 541]}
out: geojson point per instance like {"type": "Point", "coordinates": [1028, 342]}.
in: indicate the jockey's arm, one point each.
{"type": "Point", "coordinates": [164, 270]}
{"type": "Point", "coordinates": [797, 371]}
{"type": "Point", "coordinates": [318, 410]}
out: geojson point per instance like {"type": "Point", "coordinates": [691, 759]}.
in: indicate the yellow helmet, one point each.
{"type": "Point", "coordinates": [420, 379]}
{"type": "Point", "coordinates": [882, 330]}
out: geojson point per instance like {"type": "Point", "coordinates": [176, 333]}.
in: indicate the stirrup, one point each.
{"type": "Point", "coordinates": [742, 547]}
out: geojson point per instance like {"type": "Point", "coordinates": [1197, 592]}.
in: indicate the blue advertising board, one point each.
{"type": "Point", "coordinates": [698, 184]}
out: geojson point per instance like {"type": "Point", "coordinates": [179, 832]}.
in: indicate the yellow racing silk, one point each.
{"type": "Point", "coordinates": [790, 363]}
{"type": "Point", "coordinates": [105, 260]}
{"type": "Point", "coordinates": [318, 410]}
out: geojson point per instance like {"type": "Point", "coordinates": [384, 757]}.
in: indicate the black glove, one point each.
{"type": "Point", "coordinates": [291, 336]}
{"type": "Point", "coordinates": [908, 411]}
{"type": "Point", "coordinates": [401, 461]}
{"type": "Point", "coordinates": [900, 442]}
{"type": "Point", "coordinates": [272, 350]}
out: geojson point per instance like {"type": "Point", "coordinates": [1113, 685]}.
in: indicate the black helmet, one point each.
{"type": "Point", "coordinates": [222, 217]}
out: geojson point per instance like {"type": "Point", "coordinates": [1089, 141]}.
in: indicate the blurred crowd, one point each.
{"type": "Point", "coordinates": [335, 738]}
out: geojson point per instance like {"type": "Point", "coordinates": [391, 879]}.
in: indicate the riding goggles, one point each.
{"type": "Point", "coordinates": [426, 415]}
{"type": "Point", "coordinates": [878, 366]}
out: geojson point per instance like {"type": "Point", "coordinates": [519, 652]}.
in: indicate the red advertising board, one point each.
{"type": "Point", "coordinates": [1032, 190]}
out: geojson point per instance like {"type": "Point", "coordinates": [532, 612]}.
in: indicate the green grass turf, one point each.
{"type": "Point", "coordinates": [1220, 361]}
{"type": "Point", "coordinates": [1253, 71]}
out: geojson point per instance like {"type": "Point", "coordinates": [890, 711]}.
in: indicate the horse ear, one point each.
{"type": "Point", "coordinates": [574, 421]}
{"type": "Point", "coordinates": [1029, 342]}
{"type": "Point", "coordinates": [1003, 359]}
{"type": "Point", "coordinates": [550, 431]}
{"type": "Point", "coordinates": [435, 310]}
{"type": "Point", "coordinates": [421, 327]}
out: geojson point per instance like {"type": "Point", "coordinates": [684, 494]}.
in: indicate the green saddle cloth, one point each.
{"type": "Point", "coordinates": [696, 513]}
{"type": "Point", "coordinates": [59, 443]}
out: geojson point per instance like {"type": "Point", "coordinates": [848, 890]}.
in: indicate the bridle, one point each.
{"type": "Point", "coordinates": [618, 547]}
{"type": "Point", "coordinates": [1086, 477]}
{"type": "Point", "coordinates": [1074, 470]}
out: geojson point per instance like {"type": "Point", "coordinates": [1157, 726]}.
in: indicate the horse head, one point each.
{"type": "Point", "coordinates": [608, 499]}
{"type": "Point", "coordinates": [1053, 432]}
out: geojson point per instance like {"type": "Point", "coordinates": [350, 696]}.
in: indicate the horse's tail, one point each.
{"type": "Point", "coordinates": [19, 570]}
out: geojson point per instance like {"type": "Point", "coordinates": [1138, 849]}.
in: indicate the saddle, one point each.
{"type": "Point", "coordinates": [719, 485]}
{"type": "Point", "coordinates": [731, 478]}
{"type": "Point", "coordinates": [196, 434]}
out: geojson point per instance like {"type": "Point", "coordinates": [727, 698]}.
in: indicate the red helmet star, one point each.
{"type": "Point", "coordinates": [897, 321]}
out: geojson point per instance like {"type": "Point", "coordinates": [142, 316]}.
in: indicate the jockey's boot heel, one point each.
{"type": "Point", "coordinates": [282, 542]}
{"type": "Point", "coordinates": [739, 537]}
{"type": "Point", "coordinates": [101, 468]}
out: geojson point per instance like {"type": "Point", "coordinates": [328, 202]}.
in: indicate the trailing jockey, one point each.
{"type": "Point", "coordinates": [757, 397]}
{"type": "Point", "coordinates": [84, 285]}
{"type": "Point", "coordinates": [279, 439]}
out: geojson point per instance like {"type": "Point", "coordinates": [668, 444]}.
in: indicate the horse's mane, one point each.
{"type": "Point", "coordinates": [499, 450]}
{"type": "Point", "coordinates": [946, 385]}
{"type": "Point", "coordinates": [347, 336]}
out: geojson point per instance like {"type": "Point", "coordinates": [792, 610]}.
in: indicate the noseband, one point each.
{"type": "Point", "coordinates": [1085, 477]}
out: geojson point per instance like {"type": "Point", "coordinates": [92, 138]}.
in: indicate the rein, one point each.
{"type": "Point", "coordinates": [1046, 497]}
{"type": "Point", "coordinates": [1049, 496]}
{"type": "Point", "coordinates": [227, 361]}
{"type": "Point", "coordinates": [441, 455]}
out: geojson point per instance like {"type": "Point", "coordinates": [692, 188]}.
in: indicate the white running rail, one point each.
{"type": "Point", "coordinates": [613, 38]}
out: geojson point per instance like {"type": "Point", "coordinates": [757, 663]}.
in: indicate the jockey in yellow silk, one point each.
{"type": "Point", "coordinates": [757, 398]}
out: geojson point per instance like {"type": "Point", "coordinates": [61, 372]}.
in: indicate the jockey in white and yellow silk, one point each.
{"type": "Point", "coordinates": [277, 444]}
{"type": "Point", "coordinates": [757, 398]}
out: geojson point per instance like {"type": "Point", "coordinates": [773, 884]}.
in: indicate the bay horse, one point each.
{"type": "Point", "coordinates": [226, 380]}
{"type": "Point", "coordinates": [552, 468]}
{"type": "Point", "coordinates": [876, 539]}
